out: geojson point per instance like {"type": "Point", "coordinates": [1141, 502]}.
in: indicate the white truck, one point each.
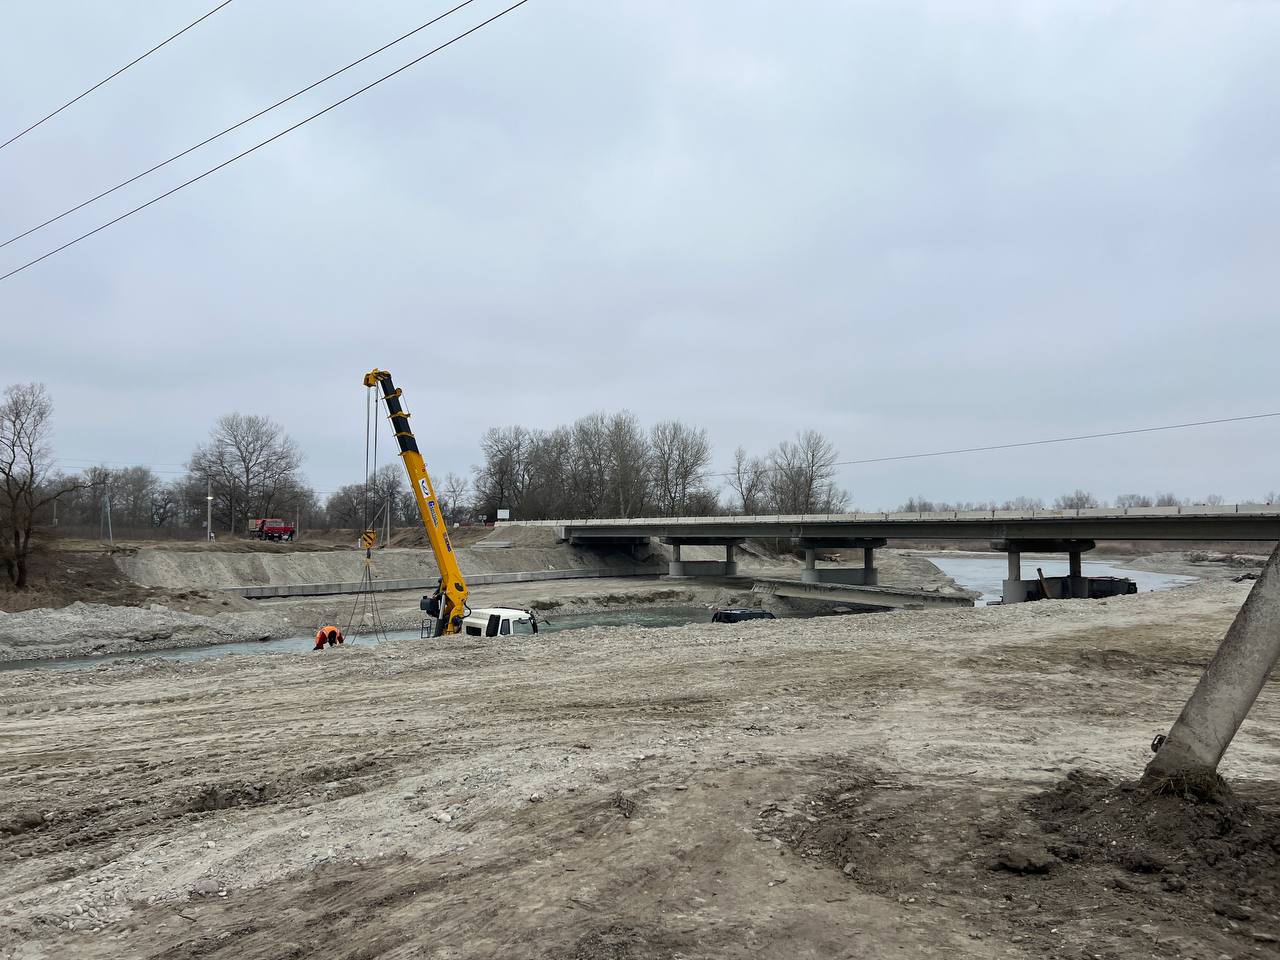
{"type": "Point", "coordinates": [499, 622]}
{"type": "Point", "coordinates": [486, 621]}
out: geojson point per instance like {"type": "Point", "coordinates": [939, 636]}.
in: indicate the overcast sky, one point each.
{"type": "Point", "coordinates": [912, 226]}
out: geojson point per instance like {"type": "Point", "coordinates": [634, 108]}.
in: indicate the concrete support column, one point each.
{"type": "Point", "coordinates": [676, 567]}
{"type": "Point", "coordinates": [730, 560]}
{"type": "Point", "coordinates": [1015, 565]}
{"type": "Point", "coordinates": [870, 575]}
{"type": "Point", "coordinates": [1230, 684]}
{"type": "Point", "coordinates": [810, 558]}
{"type": "Point", "coordinates": [1074, 557]}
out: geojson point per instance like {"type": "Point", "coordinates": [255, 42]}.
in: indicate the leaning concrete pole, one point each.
{"type": "Point", "coordinates": [1229, 686]}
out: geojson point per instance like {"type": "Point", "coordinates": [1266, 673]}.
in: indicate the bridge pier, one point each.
{"type": "Point", "coordinates": [866, 575]}
{"type": "Point", "coordinates": [1073, 586]}
{"type": "Point", "coordinates": [679, 567]}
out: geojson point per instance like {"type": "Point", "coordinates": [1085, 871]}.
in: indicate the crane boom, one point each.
{"type": "Point", "coordinates": [449, 604]}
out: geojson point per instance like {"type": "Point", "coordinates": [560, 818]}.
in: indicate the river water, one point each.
{"type": "Point", "coordinates": [657, 617]}
{"type": "Point", "coordinates": [986, 574]}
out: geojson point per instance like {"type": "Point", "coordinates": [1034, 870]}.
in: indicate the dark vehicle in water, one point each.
{"type": "Point", "coordinates": [738, 614]}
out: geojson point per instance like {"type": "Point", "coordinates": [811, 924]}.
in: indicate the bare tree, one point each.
{"type": "Point", "coordinates": [1023, 504]}
{"type": "Point", "coordinates": [1126, 500]}
{"type": "Point", "coordinates": [26, 483]}
{"type": "Point", "coordinates": [1076, 500]}
{"type": "Point", "coordinates": [501, 478]}
{"type": "Point", "coordinates": [386, 490]}
{"type": "Point", "coordinates": [630, 481]}
{"type": "Point", "coordinates": [453, 495]}
{"type": "Point", "coordinates": [918, 504]}
{"type": "Point", "coordinates": [749, 482]}
{"type": "Point", "coordinates": [589, 465]}
{"type": "Point", "coordinates": [547, 491]}
{"type": "Point", "coordinates": [345, 506]}
{"type": "Point", "coordinates": [1167, 500]}
{"type": "Point", "coordinates": [680, 457]}
{"type": "Point", "coordinates": [251, 463]}
{"type": "Point", "coordinates": [801, 475]}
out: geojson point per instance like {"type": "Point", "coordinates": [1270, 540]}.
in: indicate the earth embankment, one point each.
{"type": "Point", "coordinates": [514, 551]}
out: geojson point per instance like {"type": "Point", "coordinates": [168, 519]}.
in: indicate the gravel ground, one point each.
{"type": "Point", "coordinates": [616, 793]}
{"type": "Point", "coordinates": [82, 629]}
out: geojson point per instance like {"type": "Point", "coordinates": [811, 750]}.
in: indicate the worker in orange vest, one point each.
{"type": "Point", "coordinates": [329, 635]}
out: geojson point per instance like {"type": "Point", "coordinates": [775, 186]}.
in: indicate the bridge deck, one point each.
{"type": "Point", "coordinates": [1232, 522]}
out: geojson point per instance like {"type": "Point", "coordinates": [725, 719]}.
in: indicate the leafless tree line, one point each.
{"type": "Point", "coordinates": [356, 505]}
{"type": "Point", "coordinates": [602, 465]}
{"type": "Point", "coordinates": [249, 467]}
{"type": "Point", "coordinates": [797, 476]}
{"type": "Point", "coordinates": [609, 465]}
{"type": "Point", "coordinates": [1077, 499]}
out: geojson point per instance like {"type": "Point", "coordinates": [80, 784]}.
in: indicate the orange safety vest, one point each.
{"type": "Point", "coordinates": [323, 636]}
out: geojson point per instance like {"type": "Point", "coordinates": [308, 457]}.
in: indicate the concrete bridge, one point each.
{"type": "Point", "coordinates": [1010, 531]}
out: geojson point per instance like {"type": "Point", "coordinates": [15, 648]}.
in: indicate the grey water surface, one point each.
{"type": "Point", "coordinates": [986, 574]}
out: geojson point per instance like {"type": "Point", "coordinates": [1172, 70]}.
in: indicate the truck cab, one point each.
{"type": "Point", "coordinates": [499, 622]}
{"type": "Point", "coordinates": [270, 528]}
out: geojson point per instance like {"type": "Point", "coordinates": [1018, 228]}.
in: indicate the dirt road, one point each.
{"type": "Point", "coordinates": [847, 787]}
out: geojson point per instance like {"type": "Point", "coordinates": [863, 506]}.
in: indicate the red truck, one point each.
{"type": "Point", "coordinates": [271, 529]}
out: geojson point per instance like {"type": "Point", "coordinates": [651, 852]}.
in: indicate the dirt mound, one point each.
{"type": "Point", "coordinates": [1228, 847]}
{"type": "Point", "coordinates": [1088, 866]}
{"type": "Point", "coordinates": [60, 577]}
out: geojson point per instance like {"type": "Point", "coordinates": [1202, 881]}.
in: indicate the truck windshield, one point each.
{"type": "Point", "coordinates": [523, 626]}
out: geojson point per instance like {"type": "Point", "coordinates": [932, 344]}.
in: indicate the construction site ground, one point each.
{"type": "Point", "coordinates": [134, 597]}
{"type": "Point", "coordinates": [889, 785]}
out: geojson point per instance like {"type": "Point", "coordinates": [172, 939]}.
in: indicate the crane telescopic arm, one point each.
{"type": "Point", "coordinates": [449, 605]}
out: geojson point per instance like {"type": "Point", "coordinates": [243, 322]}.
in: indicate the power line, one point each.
{"type": "Point", "coordinates": [131, 63]}
{"type": "Point", "coordinates": [234, 126]}
{"type": "Point", "coordinates": [260, 145]}
{"type": "Point", "coordinates": [1032, 443]}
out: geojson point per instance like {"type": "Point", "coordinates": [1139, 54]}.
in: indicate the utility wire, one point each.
{"type": "Point", "coordinates": [261, 144]}
{"type": "Point", "coordinates": [234, 126]}
{"type": "Point", "coordinates": [131, 63]}
{"type": "Point", "coordinates": [1029, 443]}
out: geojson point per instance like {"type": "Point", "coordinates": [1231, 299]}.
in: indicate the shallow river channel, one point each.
{"type": "Point", "coordinates": [981, 573]}
{"type": "Point", "coordinates": [658, 617]}
{"type": "Point", "coordinates": [986, 574]}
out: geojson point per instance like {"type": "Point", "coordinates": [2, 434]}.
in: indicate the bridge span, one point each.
{"type": "Point", "coordinates": [1010, 531]}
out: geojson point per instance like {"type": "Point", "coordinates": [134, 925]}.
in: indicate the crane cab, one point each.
{"type": "Point", "coordinates": [499, 622]}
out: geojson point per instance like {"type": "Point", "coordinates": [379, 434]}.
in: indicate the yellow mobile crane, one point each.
{"type": "Point", "coordinates": [449, 603]}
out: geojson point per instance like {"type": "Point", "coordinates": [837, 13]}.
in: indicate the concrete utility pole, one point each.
{"type": "Point", "coordinates": [208, 508]}
{"type": "Point", "coordinates": [1229, 686]}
